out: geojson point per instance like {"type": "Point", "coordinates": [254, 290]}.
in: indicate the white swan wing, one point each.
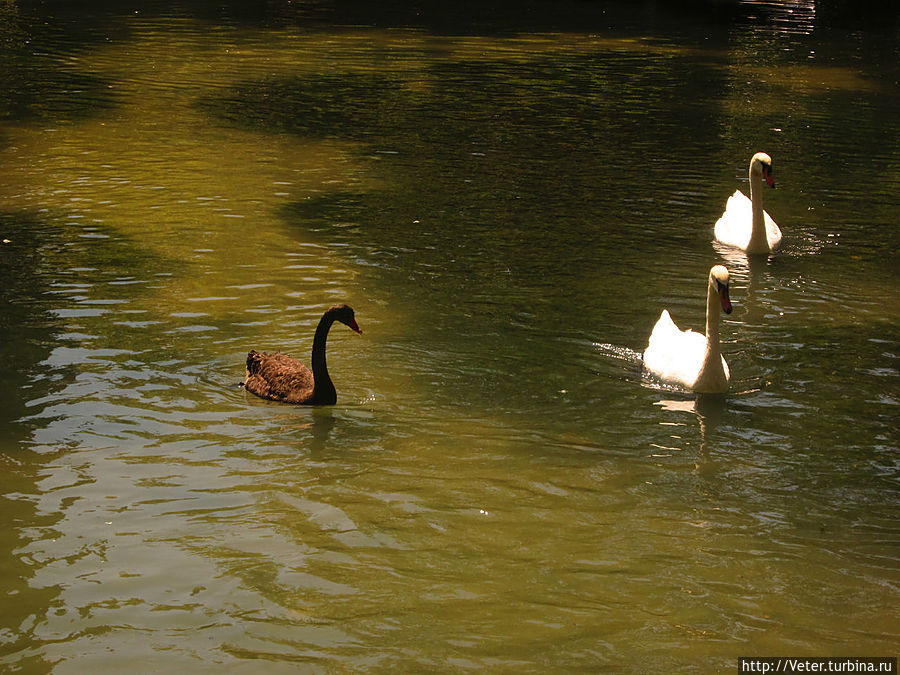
{"type": "Point", "coordinates": [674, 355]}
{"type": "Point", "coordinates": [773, 232]}
{"type": "Point", "coordinates": [735, 225]}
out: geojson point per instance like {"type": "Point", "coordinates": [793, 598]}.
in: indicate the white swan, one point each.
{"type": "Point", "coordinates": [686, 357]}
{"type": "Point", "coordinates": [745, 224]}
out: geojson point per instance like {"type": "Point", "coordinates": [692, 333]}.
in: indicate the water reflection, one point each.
{"type": "Point", "coordinates": [710, 411]}
{"type": "Point", "coordinates": [794, 17]}
{"type": "Point", "coordinates": [751, 274]}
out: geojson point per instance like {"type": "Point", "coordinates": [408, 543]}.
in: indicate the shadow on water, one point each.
{"type": "Point", "coordinates": [497, 18]}
{"type": "Point", "coordinates": [27, 337]}
{"type": "Point", "coordinates": [466, 17]}
{"type": "Point", "coordinates": [28, 328]}
{"type": "Point", "coordinates": [34, 85]}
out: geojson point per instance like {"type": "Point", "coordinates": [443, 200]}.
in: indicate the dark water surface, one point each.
{"type": "Point", "coordinates": [508, 199]}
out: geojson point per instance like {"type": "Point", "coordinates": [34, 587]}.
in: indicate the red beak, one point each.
{"type": "Point", "coordinates": [353, 325]}
{"type": "Point", "coordinates": [726, 301]}
{"type": "Point", "coordinates": [768, 176]}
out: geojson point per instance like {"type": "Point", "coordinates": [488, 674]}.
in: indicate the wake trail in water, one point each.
{"type": "Point", "coordinates": [620, 353]}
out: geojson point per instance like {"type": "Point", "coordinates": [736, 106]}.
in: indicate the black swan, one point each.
{"type": "Point", "coordinates": [281, 378]}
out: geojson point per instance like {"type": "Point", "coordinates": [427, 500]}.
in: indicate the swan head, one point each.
{"type": "Point", "coordinates": [762, 164]}
{"type": "Point", "coordinates": [718, 280]}
{"type": "Point", "coordinates": [344, 314]}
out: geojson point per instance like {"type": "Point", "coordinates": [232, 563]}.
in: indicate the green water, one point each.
{"type": "Point", "coordinates": [508, 200]}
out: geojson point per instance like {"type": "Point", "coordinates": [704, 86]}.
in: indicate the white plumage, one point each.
{"type": "Point", "coordinates": [687, 358]}
{"type": "Point", "coordinates": [745, 224]}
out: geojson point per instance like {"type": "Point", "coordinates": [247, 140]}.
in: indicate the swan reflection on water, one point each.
{"type": "Point", "coordinates": [710, 411]}
{"type": "Point", "coordinates": [749, 269]}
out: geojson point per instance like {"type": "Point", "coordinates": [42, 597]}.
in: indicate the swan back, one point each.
{"type": "Point", "coordinates": [278, 377]}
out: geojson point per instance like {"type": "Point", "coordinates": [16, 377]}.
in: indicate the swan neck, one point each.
{"type": "Point", "coordinates": [713, 374]}
{"type": "Point", "coordinates": [323, 387]}
{"type": "Point", "coordinates": [713, 319]}
{"type": "Point", "coordinates": [758, 227]}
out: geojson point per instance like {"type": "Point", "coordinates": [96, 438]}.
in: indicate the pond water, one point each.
{"type": "Point", "coordinates": [508, 200]}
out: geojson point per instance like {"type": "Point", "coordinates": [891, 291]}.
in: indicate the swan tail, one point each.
{"type": "Point", "coordinates": [664, 325]}
{"type": "Point", "coordinates": [655, 353]}
{"type": "Point", "coordinates": [254, 361]}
